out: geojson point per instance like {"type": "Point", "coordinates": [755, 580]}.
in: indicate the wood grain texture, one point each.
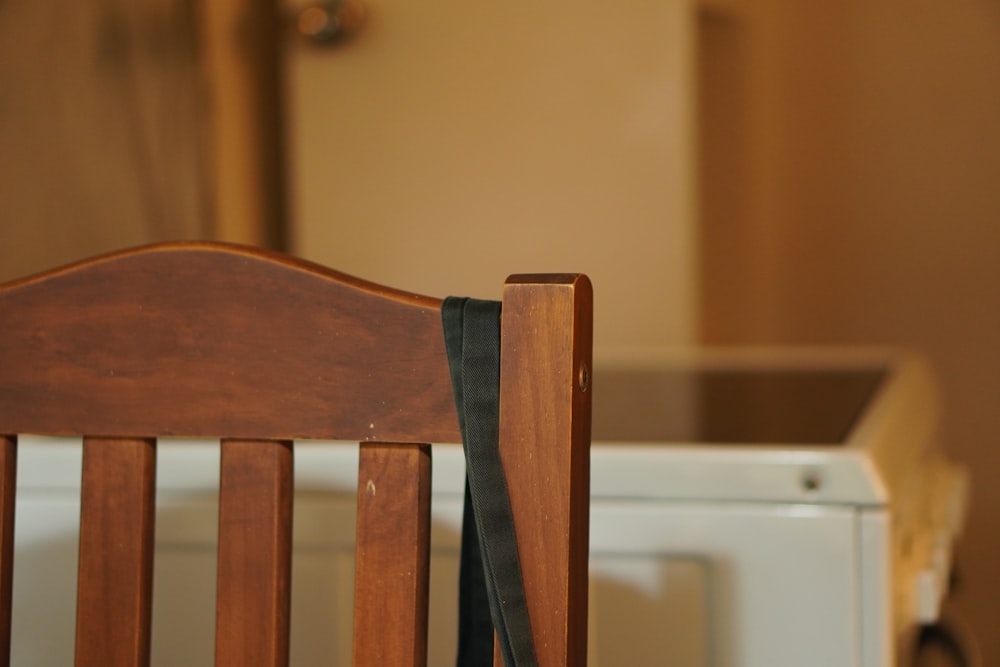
{"type": "Point", "coordinates": [392, 557]}
{"type": "Point", "coordinates": [8, 489]}
{"type": "Point", "coordinates": [197, 326]}
{"type": "Point", "coordinates": [255, 551]}
{"type": "Point", "coordinates": [115, 582]}
{"type": "Point", "coordinates": [545, 398]}
{"type": "Point", "coordinates": [221, 341]}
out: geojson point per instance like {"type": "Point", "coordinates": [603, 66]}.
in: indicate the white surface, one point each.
{"type": "Point", "coordinates": [777, 584]}
{"type": "Point", "coordinates": [875, 578]}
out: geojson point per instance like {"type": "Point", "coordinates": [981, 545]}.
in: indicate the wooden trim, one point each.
{"type": "Point", "coordinates": [117, 515]}
{"type": "Point", "coordinates": [240, 46]}
{"type": "Point", "coordinates": [392, 557]}
{"type": "Point", "coordinates": [8, 490]}
{"type": "Point", "coordinates": [255, 552]}
{"type": "Point", "coordinates": [545, 449]}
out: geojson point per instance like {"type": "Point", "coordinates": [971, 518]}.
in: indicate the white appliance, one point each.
{"type": "Point", "coordinates": [749, 509]}
{"type": "Point", "coordinates": [789, 508]}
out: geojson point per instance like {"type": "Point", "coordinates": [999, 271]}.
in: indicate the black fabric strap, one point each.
{"type": "Point", "coordinates": [472, 340]}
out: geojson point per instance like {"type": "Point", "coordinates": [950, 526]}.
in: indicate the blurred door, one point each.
{"type": "Point", "coordinates": [100, 129]}
{"type": "Point", "coordinates": [124, 123]}
{"type": "Point", "coordinates": [451, 143]}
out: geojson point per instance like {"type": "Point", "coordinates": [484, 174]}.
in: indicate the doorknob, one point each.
{"type": "Point", "coordinates": [330, 22]}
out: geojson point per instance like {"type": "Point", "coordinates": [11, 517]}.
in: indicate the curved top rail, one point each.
{"type": "Point", "coordinates": [249, 253]}
{"type": "Point", "coordinates": [208, 339]}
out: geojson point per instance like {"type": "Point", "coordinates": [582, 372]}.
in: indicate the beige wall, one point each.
{"type": "Point", "coordinates": [851, 171]}
{"type": "Point", "coordinates": [454, 143]}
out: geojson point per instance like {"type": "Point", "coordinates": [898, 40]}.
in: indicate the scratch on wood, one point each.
{"type": "Point", "coordinates": [370, 487]}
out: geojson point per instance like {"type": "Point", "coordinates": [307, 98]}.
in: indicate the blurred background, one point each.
{"type": "Point", "coordinates": [728, 171]}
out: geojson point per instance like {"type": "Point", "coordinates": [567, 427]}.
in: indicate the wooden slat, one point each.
{"type": "Point", "coordinates": [340, 358]}
{"type": "Point", "coordinates": [117, 512]}
{"type": "Point", "coordinates": [545, 398]}
{"type": "Point", "coordinates": [255, 549]}
{"type": "Point", "coordinates": [8, 488]}
{"type": "Point", "coordinates": [392, 555]}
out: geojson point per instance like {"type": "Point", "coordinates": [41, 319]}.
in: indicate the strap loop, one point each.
{"type": "Point", "coordinates": [472, 341]}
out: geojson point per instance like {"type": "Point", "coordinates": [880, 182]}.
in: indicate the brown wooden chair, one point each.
{"type": "Point", "coordinates": [260, 349]}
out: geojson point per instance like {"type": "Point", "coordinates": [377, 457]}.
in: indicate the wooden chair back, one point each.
{"type": "Point", "coordinates": [259, 350]}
